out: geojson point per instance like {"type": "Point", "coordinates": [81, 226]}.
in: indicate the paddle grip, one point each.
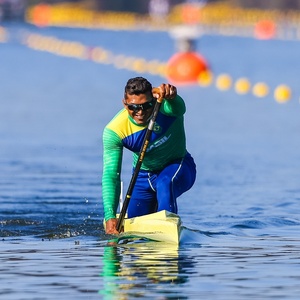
{"type": "Point", "coordinates": [158, 91]}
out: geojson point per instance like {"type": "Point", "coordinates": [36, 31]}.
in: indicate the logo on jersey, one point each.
{"type": "Point", "coordinates": [157, 128]}
{"type": "Point", "coordinates": [159, 142]}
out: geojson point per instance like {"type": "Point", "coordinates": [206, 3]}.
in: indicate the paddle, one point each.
{"type": "Point", "coordinates": [140, 158]}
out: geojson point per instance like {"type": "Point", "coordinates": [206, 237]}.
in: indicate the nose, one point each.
{"type": "Point", "coordinates": [139, 108]}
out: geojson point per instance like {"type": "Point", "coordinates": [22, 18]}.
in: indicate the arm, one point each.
{"type": "Point", "coordinates": [174, 104]}
{"type": "Point", "coordinates": [174, 107]}
{"type": "Point", "coordinates": [111, 183]}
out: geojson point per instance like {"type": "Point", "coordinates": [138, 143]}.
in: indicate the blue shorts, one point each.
{"type": "Point", "coordinates": [156, 191]}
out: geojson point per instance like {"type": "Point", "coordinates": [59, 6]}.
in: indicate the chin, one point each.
{"type": "Point", "coordinates": [140, 122]}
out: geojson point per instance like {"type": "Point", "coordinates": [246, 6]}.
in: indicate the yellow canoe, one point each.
{"type": "Point", "coordinates": [162, 226]}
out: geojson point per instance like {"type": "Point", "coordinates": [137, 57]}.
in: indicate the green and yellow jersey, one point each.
{"type": "Point", "coordinates": [167, 143]}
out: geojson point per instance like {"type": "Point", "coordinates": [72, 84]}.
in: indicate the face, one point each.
{"type": "Point", "coordinates": [139, 107]}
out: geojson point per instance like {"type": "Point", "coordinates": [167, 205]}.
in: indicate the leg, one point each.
{"type": "Point", "coordinates": [174, 180]}
{"type": "Point", "coordinates": [143, 200]}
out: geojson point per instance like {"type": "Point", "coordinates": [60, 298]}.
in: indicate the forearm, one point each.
{"type": "Point", "coordinates": [110, 195]}
{"type": "Point", "coordinates": [111, 182]}
{"type": "Point", "coordinates": [174, 107]}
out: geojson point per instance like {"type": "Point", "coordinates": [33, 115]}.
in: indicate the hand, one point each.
{"type": "Point", "coordinates": [168, 91]}
{"type": "Point", "coordinates": [111, 226]}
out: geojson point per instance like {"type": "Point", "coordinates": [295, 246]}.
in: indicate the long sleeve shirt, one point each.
{"type": "Point", "coordinates": [166, 144]}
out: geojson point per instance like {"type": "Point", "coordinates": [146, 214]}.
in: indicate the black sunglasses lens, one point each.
{"type": "Point", "coordinates": [146, 105]}
{"type": "Point", "coordinates": [133, 107]}
{"type": "Point", "coordinates": [137, 107]}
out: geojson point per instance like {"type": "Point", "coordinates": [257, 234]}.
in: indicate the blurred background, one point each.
{"type": "Point", "coordinates": [11, 9]}
{"type": "Point", "coordinates": [185, 21]}
{"type": "Point", "coordinates": [63, 69]}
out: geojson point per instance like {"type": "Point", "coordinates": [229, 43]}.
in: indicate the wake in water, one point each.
{"type": "Point", "coordinates": [46, 229]}
{"type": "Point", "coordinates": [188, 237]}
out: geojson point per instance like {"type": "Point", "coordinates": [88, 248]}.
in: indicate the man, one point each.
{"type": "Point", "coordinates": [167, 171]}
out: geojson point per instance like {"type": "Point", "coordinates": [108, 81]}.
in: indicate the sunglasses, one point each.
{"type": "Point", "coordinates": [137, 107]}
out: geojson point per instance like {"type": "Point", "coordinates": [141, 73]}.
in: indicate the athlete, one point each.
{"type": "Point", "coordinates": [168, 169]}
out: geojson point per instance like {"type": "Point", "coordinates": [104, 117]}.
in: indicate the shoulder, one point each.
{"type": "Point", "coordinates": [118, 123]}
{"type": "Point", "coordinates": [122, 126]}
{"type": "Point", "coordinates": [118, 119]}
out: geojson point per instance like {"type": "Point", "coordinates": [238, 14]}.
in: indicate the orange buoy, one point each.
{"type": "Point", "coordinates": [190, 13]}
{"type": "Point", "coordinates": [41, 15]}
{"type": "Point", "coordinates": [185, 67]}
{"type": "Point", "coordinates": [265, 30]}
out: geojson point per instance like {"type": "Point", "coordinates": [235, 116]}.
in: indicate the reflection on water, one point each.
{"type": "Point", "coordinates": [133, 269]}
{"type": "Point", "coordinates": [224, 267]}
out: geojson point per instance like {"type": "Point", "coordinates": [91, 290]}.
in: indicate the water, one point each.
{"type": "Point", "coordinates": [241, 236]}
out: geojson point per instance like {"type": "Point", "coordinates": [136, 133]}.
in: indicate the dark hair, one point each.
{"type": "Point", "coordinates": [137, 86]}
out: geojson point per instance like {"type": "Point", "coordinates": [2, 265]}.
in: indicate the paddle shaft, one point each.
{"type": "Point", "coordinates": [140, 159]}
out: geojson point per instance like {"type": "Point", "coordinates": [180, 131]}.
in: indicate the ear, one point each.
{"type": "Point", "coordinates": [124, 103]}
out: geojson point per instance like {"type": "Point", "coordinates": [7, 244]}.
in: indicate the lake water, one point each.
{"type": "Point", "coordinates": [241, 237]}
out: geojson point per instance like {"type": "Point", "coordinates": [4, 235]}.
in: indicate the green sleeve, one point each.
{"type": "Point", "coordinates": [111, 182]}
{"type": "Point", "coordinates": [175, 107]}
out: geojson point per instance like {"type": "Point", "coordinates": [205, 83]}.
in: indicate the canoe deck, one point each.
{"type": "Point", "coordinates": [162, 226]}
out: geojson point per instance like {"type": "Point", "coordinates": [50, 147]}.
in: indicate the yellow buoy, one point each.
{"type": "Point", "coordinates": [223, 82]}
{"type": "Point", "coordinates": [260, 90]}
{"type": "Point", "coordinates": [282, 93]}
{"type": "Point", "coordinates": [205, 78]}
{"type": "Point", "coordinates": [242, 86]}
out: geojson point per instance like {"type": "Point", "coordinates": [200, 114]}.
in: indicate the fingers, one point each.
{"type": "Point", "coordinates": [110, 227]}
{"type": "Point", "coordinates": [112, 231]}
{"type": "Point", "coordinates": [168, 91]}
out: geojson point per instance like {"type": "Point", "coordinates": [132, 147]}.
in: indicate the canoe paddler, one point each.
{"type": "Point", "coordinates": [167, 170]}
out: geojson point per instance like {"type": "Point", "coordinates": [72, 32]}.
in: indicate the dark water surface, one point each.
{"type": "Point", "coordinates": [241, 236]}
